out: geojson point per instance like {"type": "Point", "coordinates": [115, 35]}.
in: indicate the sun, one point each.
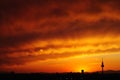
{"type": "Point", "coordinates": [85, 68]}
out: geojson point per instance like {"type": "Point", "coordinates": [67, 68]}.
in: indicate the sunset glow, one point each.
{"type": "Point", "coordinates": [59, 35]}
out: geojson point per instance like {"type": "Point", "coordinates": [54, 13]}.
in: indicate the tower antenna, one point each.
{"type": "Point", "coordinates": [102, 66]}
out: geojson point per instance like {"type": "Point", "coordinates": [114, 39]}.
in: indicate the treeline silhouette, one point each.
{"type": "Point", "coordinates": [59, 76]}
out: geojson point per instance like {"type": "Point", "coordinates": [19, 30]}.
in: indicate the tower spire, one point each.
{"type": "Point", "coordinates": [102, 66]}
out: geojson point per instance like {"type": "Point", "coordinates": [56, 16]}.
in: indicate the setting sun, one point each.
{"type": "Point", "coordinates": [86, 69]}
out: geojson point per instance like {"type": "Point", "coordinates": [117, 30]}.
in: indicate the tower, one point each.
{"type": "Point", "coordinates": [82, 72]}
{"type": "Point", "coordinates": [102, 66]}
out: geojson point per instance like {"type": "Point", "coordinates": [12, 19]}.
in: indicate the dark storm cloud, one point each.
{"type": "Point", "coordinates": [17, 40]}
{"type": "Point", "coordinates": [73, 29]}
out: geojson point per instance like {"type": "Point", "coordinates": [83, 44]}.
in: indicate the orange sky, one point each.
{"type": "Point", "coordinates": [59, 35]}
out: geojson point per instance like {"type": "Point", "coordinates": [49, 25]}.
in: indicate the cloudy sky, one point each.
{"type": "Point", "coordinates": [48, 34]}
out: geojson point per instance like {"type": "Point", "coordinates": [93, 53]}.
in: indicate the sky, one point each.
{"type": "Point", "coordinates": [59, 35]}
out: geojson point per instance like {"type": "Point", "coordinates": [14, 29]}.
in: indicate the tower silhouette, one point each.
{"type": "Point", "coordinates": [82, 71]}
{"type": "Point", "coordinates": [102, 66]}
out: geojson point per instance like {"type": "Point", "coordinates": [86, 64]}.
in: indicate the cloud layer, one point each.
{"type": "Point", "coordinates": [47, 29]}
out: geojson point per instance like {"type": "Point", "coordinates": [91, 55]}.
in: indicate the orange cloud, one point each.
{"type": "Point", "coordinates": [49, 29]}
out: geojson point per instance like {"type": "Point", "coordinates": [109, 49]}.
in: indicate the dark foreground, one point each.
{"type": "Point", "coordinates": [60, 76]}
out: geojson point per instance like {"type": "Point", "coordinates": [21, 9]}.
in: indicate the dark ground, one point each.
{"type": "Point", "coordinates": [60, 76]}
